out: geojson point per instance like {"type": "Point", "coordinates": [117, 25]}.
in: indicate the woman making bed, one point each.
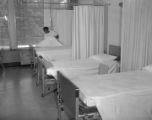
{"type": "Point", "coordinates": [51, 39]}
{"type": "Point", "coordinates": [50, 46]}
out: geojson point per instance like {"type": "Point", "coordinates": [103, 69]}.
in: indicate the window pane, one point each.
{"type": "Point", "coordinates": [29, 23]}
{"type": "Point", "coordinates": [4, 33]}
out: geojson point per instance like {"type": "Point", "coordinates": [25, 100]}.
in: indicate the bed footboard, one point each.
{"type": "Point", "coordinates": [47, 82]}
{"type": "Point", "coordinates": [70, 96]}
{"type": "Point", "coordinates": [73, 106]}
{"type": "Point", "coordinates": [39, 70]}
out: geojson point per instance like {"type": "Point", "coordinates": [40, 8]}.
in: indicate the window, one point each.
{"type": "Point", "coordinates": [29, 23]}
{"type": "Point", "coordinates": [4, 33]}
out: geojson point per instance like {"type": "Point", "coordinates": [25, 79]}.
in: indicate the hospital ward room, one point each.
{"type": "Point", "coordinates": [75, 60]}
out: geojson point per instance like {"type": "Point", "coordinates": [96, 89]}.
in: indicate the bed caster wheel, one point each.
{"type": "Point", "coordinates": [42, 95]}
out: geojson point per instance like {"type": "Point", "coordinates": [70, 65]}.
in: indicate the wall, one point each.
{"type": "Point", "coordinates": [47, 14]}
{"type": "Point", "coordinates": [62, 23]}
{"type": "Point", "coordinates": [22, 56]}
{"type": "Point", "coordinates": [10, 56]}
{"type": "Point", "coordinates": [114, 23]}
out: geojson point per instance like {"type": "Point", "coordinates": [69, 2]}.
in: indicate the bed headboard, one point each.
{"type": "Point", "coordinates": [115, 50]}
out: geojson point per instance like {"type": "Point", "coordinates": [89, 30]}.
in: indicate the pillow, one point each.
{"type": "Point", "coordinates": [103, 57]}
{"type": "Point", "coordinates": [148, 68]}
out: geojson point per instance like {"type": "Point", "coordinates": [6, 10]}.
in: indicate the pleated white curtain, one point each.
{"type": "Point", "coordinates": [88, 31]}
{"type": "Point", "coordinates": [136, 34]}
{"type": "Point", "coordinates": [62, 23]}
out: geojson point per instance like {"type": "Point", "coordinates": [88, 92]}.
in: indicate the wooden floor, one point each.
{"type": "Point", "coordinates": [20, 99]}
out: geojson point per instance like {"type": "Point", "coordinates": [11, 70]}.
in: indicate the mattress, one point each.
{"type": "Point", "coordinates": [76, 66]}
{"type": "Point", "coordinates": [55, 53]}
{"type": "Point", "coordinates": [118, 96]}
{"type": "Point", "coordinates": [79, 67]}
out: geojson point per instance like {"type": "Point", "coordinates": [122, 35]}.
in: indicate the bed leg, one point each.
{"type": "Point", "coordinates": [59, 106]}
{"type": "Point", "coordinates": [59, 112]}
{"type": "Point", "coordinates": [77, 105]}
{"type": "Point", "coordinates": [59, 102]}
{"type": "Point", "coordinates": [37, 80]}
{"type": "Point", "coordinates": [43, 82]}
{"type": "Point", "coordinates": [34, 69]}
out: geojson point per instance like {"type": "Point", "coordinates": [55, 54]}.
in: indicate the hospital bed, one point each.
{"type": "Point", "coordinates": [49, 46]}
{"type": "Point", "coordinates": [51, 54]}
{"type": "Point", "coordinates": [48, 42]}
{"type": "Point", "coordinates": [96, 64]}
{"type": "Point", "coordinates": [118, 96]}
{"type": "Point", "coordinates": [102, 65]}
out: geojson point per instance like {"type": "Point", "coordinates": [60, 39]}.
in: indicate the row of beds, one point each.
{"type": "Point", "coordinates": [93, 88]}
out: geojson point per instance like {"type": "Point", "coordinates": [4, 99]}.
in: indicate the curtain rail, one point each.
{"type": "Point", "coordinates": [70, 4]}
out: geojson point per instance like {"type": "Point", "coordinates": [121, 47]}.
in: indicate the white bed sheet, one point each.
{"type": "Point", "coordinates": [119, 96]}
{"type": "Point", "coordinates": [80, 67]}
{"type": "Point", "coordinates": [49, 41]}
{"type": "Point", "coordinates": [77, 65]}
{"type": "Point", "coordinates": [55, 53]}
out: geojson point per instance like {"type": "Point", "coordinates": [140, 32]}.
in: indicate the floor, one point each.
{"type": "Point", "coordinates": [20, 98]}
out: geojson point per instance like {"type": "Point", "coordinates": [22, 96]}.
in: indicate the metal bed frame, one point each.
{"type": "Point", "coordinates": [40, 68]}
{"type": "Point", "coordinates": [48, 83]}
{"type": "Point", "coordinates": [69, 99]}
{"type": "Point", "coordinates": [68, 96]}
{"type": "Point", "coordinates": [34, 60]}
{"type": "Point", "coordinates": [37, 66]}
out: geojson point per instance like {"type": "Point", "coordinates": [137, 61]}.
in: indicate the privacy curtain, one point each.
{"type": "Point", "coordinates": [61, 21]}
{"type": "Point", "coordinates": [88, 31]}
{"type": "Point", "coordinates": [136, 34]}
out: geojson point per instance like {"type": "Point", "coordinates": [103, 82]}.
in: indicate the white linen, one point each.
{"type": "Point", "coordinates": [77, 65]}
{"type": "Point", "coordinates": [49, 41]}
{"type": "Point", "coordinates": [112, 67]}
{"type": "Point", "coordinates": [148, 68]}
{"type": "Point", "coordinates": [119, 96]}
{"type": "Point", "coordinates": [103, 57]}
{"type": "Point", "coordinates": [106, 68]}
{"type": "Point", "coordinates": [55, 53]}
{"type": "Point", "coordinates": [83, 65]}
